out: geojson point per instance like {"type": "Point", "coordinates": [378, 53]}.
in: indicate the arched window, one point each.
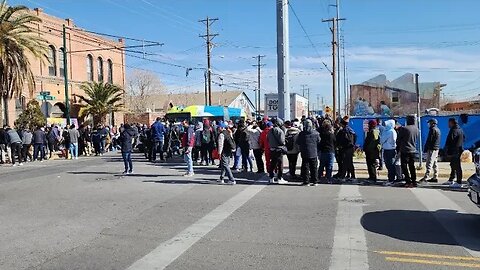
{"type": "Point", "coordinates": [52, 61]}
{"type": "Point", "coordinates": [60, 59]}
{"type": "Point", "coordinates": [100, 69]}
{"type": "Point", "coordinates": [110, 71]}
{"type": "Point", "coordinates": [89, 68]}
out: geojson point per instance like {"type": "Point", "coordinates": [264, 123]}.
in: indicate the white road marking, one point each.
{"type": "Point", "coordinates": [170, 250]}
{"type": "Point", "coordinates": [349, 242]}
{"type": "Point", "coordinates": [434, 201]}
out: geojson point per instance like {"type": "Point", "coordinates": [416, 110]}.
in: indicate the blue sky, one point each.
{"type": "Point", "coordinates": [439, 39]}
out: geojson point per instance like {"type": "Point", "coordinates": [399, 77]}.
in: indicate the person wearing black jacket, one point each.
{"type": "Point", "coordinates": [346, 139]}
{"type": "Point", "coordinates": [406, 146]}
{"type": "Point", "coordinates": [327, 150]}
{"type": "Point", "coordinates": [432, 146]}
{"type": "Point", "coordinates": [226, 146]}
{"type": "Point", "coordinates": [454, 150]}
{"type": "Point", "coordinates": [39, 139]}
{"type": "Point", "coordinates": [308, 143]}
{"type": "Point", "coordinates": [126, 140]}
{"type": "Point", "coordinates": [3, 145]}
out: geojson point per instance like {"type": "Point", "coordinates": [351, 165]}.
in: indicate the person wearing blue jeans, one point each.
{"type": "Point", "coordinates": [327, 150]}
{"type": "Point", "coordinates": [388, 141]}
{"type": "Point", "coordinates": [74, 150]}
{"type": "Point", "coordinates": [126, 139]}
{"type": "Point", "coordinates": [188, 142]}
{"type": "Point", "coordinates": [74, 136]}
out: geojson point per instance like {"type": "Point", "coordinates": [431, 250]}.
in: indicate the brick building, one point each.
{"type": "Point", "coordinates": [399, 95]}
{"type": "Point", "coordinates": [90, 58]}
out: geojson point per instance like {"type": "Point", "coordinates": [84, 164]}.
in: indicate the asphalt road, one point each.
{"type": "Point", "coordinates": [85, 215]}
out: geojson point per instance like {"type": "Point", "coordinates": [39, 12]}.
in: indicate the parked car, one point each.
{"type": "Point", "coordinates": [474, 180]}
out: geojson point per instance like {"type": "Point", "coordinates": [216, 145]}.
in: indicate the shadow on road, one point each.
{"type": "Point", "coordinates": [423, 226]}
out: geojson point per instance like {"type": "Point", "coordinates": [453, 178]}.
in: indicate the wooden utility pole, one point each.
{"type": "Point", "coordinates": [258, 96]}
{"type": "Point", "coordinates": [208, 38]}
{"type": "Point", "coordinates": [334, 30]}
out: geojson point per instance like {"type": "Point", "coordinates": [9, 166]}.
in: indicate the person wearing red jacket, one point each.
{"type": "Point", "coordinates": [264, 143]}
{"type": "Point", "coordinates": [188, 142]}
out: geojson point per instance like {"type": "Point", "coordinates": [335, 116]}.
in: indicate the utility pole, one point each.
{"type": "Point", "coordinates": [419, 125]}
{"type": "Point", "coordinates": [65, 74]}
{"type": "Point", "coordinates": [258, 97]}
{"type": "Point", "coordinates": [334, 30]}
{"type": "Point", "coordinates": [337, 7]}
{"type": "Point", "coordinates": [208, 38]}
{"type": "Point", "coordinates": [283, 64]}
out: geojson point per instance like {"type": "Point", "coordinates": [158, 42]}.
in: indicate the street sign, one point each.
{"type": "Point", "coordinates": [45, 93]}
{"type": "Point", "coordinates": [45, 97]}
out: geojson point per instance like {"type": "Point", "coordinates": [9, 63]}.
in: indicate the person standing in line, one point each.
{"type": "Point", "coordinates": [198, 143]}
{"type": "Point", "coordinates": [276, 140]}
{"type": "Point", "coordinates": [52, 141]}
{"type": "Point", "coordinates": [308, 142]}
{"type": "Point", "coordinates": [207, 138]}
{"type": "Point", "coordinates": [126, 138]}
{"type": "Point", "coordinates": [327, 150]}
{"type": "Point", "coordinates": [27, 145]}
{"type": "Point", "coordinates": [372, 149]}
{"type": "Point", "coordinates": [346, 139]}
{"type": "Point", "coordinates": [265, 145]}
{"type": "Point", "coordinates": [66, 142]}
{"type": "Point", "coordinates": [4, 153]}
{"type": "Point", "coordinates": [254, 141]}
{"type": "Point", "coordinates": [74, 135]}
{"type": "Point", "coordinates": [454, 149]}
{"type": "Point", "coordinates": [15, 145]}
{"type": "Point", "coordinates": [407, 147]}
{"type": "Point", "coordinates": [244, 145]}
{"type": "Point", "coordinates": [158, 139]}
{"type": "Point", "coordinates": [432, 147]}
{"type": "Point", "coordinates": [381, 128]}
{"type": "Point", "coordinates": [291, 136]}
{"type": "Point", "coordinates": [39, 139]}
{"type": "Point", "coordinates": [226, 145]}
{"type": "Point", "coordinates": [188, 142]}
{"type": "Point", "coordinates": [388, 141]}
{"type": "Point", "coordinates": [339, 154]}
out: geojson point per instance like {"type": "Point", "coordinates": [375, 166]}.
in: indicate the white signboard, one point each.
{"type": "Point", "coordinates": [271, 106]}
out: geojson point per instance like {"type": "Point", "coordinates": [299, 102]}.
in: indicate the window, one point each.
{"type": "Point", "coordinates": [100, 69]}
{"type": "Point", "coordinates": [395, 97]}
{"type": "Point", "coordinates": [52, 61]}
{"type": "Point", "coordinates": [89, 68]}
{"type": "Point", "coordinates": [60, 59]}
{"type": "Point", "coordinates": [110, 71]}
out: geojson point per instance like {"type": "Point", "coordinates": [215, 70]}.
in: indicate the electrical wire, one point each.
{"type": "Point", "coordinates": [308, 36]}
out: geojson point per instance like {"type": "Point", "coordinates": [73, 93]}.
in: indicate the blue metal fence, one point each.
{"type": "Point", "coordinates": [469, 123]}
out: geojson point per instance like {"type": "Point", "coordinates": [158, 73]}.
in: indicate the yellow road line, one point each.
{"type": "Point", "coordinates": [432, 256]}
{"type": "Point", "coordinates": [442, 263]}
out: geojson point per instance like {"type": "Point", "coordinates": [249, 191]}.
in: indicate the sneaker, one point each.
{"type": "Point", "coordinates": [125, 173]}
{"type": "Point", "coordinates": [313, 184]}
{"type": "Point", "coordinates": [423, 182]}
{"type": "Point", "coordinates": [272, 180]}
{"type": "Point", "coordinates": [455, 185]}
{"type": "Point", "coordinates": [130, 172]}
{"type": "Point", "coordinates": [433, 180]}
{"type": "Point", "coordinates": [232, 182]}
{"type": "Point", "coordinates": [14, 165]}
{"type": "Point", "coordinates": [448, 183]}
{"type": "Point", "coordinates": [21, 164]}
{"type": "Point", "coordinates": [282, 181]}
{"type": "Point", "coordinates": [221, 182]}
{"type": "Point", "coordinates": [388, 184]}
{"type": "Point", "coordinates": [189, 174]}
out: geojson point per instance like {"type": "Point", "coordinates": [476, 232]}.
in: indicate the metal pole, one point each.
{"type": "Point", "coordinates": [65, 75]}
{"type": "Point", "coordinates": [283, 67]}
{"type": "Point", "coordinates": [334, 68]}
{"type": "Point", "coordinates": [209, 69]}
{"type": "Point", "coordinates": [338, 54]}
{"type": "Point", "coordinates": [420, 146]}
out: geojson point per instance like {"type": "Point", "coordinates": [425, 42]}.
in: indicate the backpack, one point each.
{"type": "Point", "coordinates": [206, 136]}
{"type": "Point", "coordinates": [290, 142]}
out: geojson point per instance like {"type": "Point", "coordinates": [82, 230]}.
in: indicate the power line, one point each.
{"type": "Point", "coordinates": [114, 36]}
{"type": "Point", "coordinates": [308, 36]}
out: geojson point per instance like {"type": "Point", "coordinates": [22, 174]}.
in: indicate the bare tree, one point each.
{"type": "Point", "coordinates": [141, 86]}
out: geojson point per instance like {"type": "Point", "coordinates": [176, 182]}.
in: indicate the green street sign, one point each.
{"type": "Point", "coordinates": [45, 97]}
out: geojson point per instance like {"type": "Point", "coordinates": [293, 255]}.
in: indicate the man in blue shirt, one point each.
{"type": "Point", "coordinates": [158, 138]}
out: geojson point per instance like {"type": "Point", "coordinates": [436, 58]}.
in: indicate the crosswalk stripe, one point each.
{"type": "Point", "coordinates": [349, 243]}
{"type": "Point", "coordinates": [431, 256]}
{"type": "Point", "coordinates": [170, 250]}
{"type": "Point", "coordinates": [434, 201]}
{"type": "Point", "coordinates": [430, 262]}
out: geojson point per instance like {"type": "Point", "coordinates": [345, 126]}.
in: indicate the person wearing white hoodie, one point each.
{"type": "Point", "coordinates": [388, 140]}
{"type": "Point", "coordinates": [254, 139]}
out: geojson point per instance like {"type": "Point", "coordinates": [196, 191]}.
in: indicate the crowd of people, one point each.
{"type": "Point", "coordinates": [319, 142]}
{"type": "Point", "coordinates": [54, 141]}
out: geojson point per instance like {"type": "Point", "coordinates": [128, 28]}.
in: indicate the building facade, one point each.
{"type": "Point", "coordinates": [90, 58]}
{"type": "Point", "coordinates": [378, 96]}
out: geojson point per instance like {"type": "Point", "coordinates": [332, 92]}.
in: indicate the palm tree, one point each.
{"type": "Point", "coordinates": [102, 99]}
{"type": "Point", "coordinates": [17, 42]}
